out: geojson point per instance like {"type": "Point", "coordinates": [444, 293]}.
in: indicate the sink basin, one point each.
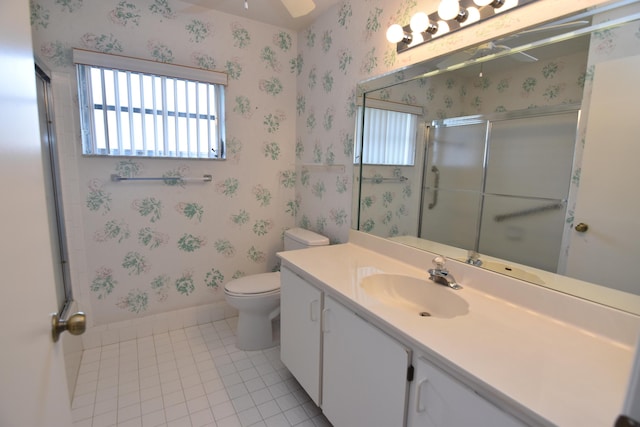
{"type": "Point", "coordinates": [421, 296]}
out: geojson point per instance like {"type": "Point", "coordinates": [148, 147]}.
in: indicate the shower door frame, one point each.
{"type": "Point", "coordinates": [489, 119]}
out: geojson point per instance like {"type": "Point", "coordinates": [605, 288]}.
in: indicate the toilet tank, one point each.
{"type": "Point", "coordinates": [299, 238]}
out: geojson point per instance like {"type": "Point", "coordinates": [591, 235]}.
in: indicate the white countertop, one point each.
{"type": "Point", "coordinates": [544, 370]}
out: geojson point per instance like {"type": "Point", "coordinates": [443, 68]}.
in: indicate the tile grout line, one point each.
{"type": "Point", "coordinates": [215, 383]}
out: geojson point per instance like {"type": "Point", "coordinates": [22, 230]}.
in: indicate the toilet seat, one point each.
{"type": "Point", "coordinates": [257, 284]}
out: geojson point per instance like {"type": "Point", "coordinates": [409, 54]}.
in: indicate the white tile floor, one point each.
{"type": "Point", "coordinates": [189, 377]}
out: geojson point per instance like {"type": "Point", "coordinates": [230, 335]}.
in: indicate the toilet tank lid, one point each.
{"type": "Point", "coordinates": [306, 237]}
{"type": "Point", "coordinates": [254, 284]}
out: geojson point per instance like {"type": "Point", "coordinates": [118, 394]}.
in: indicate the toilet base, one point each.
{"type": "Point", "coordinates": [254, 333]}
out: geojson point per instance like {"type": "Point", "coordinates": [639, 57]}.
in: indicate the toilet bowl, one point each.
{"type": "Point", "coordinates": [257, 297]}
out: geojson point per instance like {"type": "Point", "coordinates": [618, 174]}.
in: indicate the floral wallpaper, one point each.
{"type": "Point", "coordinates": [157, 246]}
{"type": "Point", "coordinates": [291, 104]}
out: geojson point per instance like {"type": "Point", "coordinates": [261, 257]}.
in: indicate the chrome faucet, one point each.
{"type": "Point", "coordinates": [441, 275]}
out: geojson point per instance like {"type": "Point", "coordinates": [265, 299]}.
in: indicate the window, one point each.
{"type": "Point", "coordinates": [132, 107]}
{"type": "Point", "coordinates": [390, 131]}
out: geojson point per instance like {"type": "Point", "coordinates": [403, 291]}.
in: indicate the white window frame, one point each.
{"type": "Point", "coordinates": [175, 126]}
{"type": "Point", "coordinates": [390, 133]}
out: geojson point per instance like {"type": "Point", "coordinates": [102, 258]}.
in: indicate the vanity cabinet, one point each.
{"type": "Point", "coordinates": [356, 373]}
{"type": "Point", "coordinates": [300, 333]}
{"type": "Point", "coordinates": [364, 381]}
{"type": "Point", "coordinates": [361, 376]}
{"type": "Point", "coordinates": [438, 400]}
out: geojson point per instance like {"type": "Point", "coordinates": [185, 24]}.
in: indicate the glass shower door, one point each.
{"type": "Point", "coordinates": [526, 189]}
{"type": "Point", "coordinates": [52, 191]}
{"type": "Point", "coordinates": [452, 190]}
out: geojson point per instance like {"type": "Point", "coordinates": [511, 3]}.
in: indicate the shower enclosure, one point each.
{"type": "Point", "coordinates": [498, 184]}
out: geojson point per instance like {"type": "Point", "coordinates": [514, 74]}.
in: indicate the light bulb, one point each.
{"type": "Point", "coordinates": [482, 3]}
{"type": "Point", "coordinates": [395, 33]}
{"type": "Point", "coordinates": [448, 9]}
{"type": "Point", "coordinates": [473, 16]}
{"type": "Point", "coordinates": [443, 28]}
{"type": "Point", "coordinates": [419, 22]}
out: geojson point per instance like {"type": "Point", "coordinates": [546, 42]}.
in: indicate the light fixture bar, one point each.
{"type": "Point", "coordinates": [424, 28]}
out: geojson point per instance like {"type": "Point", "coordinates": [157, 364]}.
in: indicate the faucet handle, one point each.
{"type": "Point", "coordinates": [439, 262]}
{"type": "Point", "coordinates": [474, 258]}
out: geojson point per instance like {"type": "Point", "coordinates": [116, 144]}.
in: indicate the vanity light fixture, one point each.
{"type": "Point", "coordinates": [450, 16]}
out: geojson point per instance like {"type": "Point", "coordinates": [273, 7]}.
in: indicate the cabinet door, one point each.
{"type": "Point", "coordinates": [437, 400]}
{"type": "Point", "coordinates": [300, 334]}
{"type": "Point", "coordinates": [364, 371]}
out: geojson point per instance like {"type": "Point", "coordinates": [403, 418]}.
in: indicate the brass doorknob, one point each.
{"type": "Point", "coordinates": [582, 227]}
{"type": "Point", "coordinates": [76, 324]}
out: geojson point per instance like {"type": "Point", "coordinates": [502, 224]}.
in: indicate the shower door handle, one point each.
{"type": "Point", "coordinates": [436, 184]}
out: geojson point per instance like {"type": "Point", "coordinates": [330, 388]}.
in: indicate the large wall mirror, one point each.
{"type": "Point", "coordinates": [519, 155]}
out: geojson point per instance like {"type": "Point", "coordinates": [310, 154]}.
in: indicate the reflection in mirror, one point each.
{"type": "Point", "coordinates": [508, 157]}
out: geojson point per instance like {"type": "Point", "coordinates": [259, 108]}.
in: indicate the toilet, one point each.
{"type": "Point", "coordinates": [257, 297]}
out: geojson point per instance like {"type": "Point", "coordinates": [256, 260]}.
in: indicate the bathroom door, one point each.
{"type": "Point", "coordinates": [33, 390]}
{"type": "Point", "coordinates": [608, 202]}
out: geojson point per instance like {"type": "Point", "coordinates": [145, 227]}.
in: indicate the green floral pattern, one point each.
{"type": "Point", "coordinates": [229, 187]}
{"type": "Point", "coordinates": [160, 285]}
{"type": "Point", "coordinates": [152, 239]}
{"type": "Point", "coordinates": [214, 279]}
{"type": "Point", "coordinates": [98, 199]}
{"type": "Point", "coordinates": [148, 207]}
{"type": "Point", "coordinates": [185, 284]}
{"type": "Point", "coordinates": [263, 195]}
{"type": "Point", "coordinates": [126, 14]}
{"type": "Point", "coordinates": [198, 30]}
{"type": "Point", "coordinates": [136, 301]}
{"type": "Point", "coordinates": [135, 263]}
{"type": "Point", "coordinates": [256, 255]}
{"type": "Point", "coordinates": [191, 210]}
{"type": "Point", "coordinates": [262, 227]}
{"type": "Point", "coordinates": [241, 37]}
{"type": "Point", "coordinates": [234, 69]}
{"type": "Point", "coordinates": [189, 242]}
{"type": "Point", "coordinates": [162, 8]}
{"type": "Point", "coordinates": [272, 86]}
{"type": "Point", "coordinates": [113, 230]}
{"type": "Point", "coordinates": [225, 247]}
{"type": "Point", "coordinates": [102, 43]}
{"type": "Point", "coordinates": [240, 218]}
{"type": "Point", "coordinates": [103, 283]}
{"type": "Point", "coordinates": [128, 168]}
{"type": "Point", "coordinates": [202, 60]}
{"type": "Point", "coordinates": [39, 15]}
{"type": "Point", "coordinates": [272, 150]}
{"type": "Point", "coordinates": [69, 5]}
{"type": "Point", "coordinates": [159, 51]}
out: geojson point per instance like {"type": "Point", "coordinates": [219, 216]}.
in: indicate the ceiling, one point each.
{"type": "Point", "coordinates": [271, 12]}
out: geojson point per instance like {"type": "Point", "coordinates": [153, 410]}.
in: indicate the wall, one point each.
{"type": "Point", "coordinates": [142, 248]}
{"type": "Point", "coordinates": [319, 70]}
